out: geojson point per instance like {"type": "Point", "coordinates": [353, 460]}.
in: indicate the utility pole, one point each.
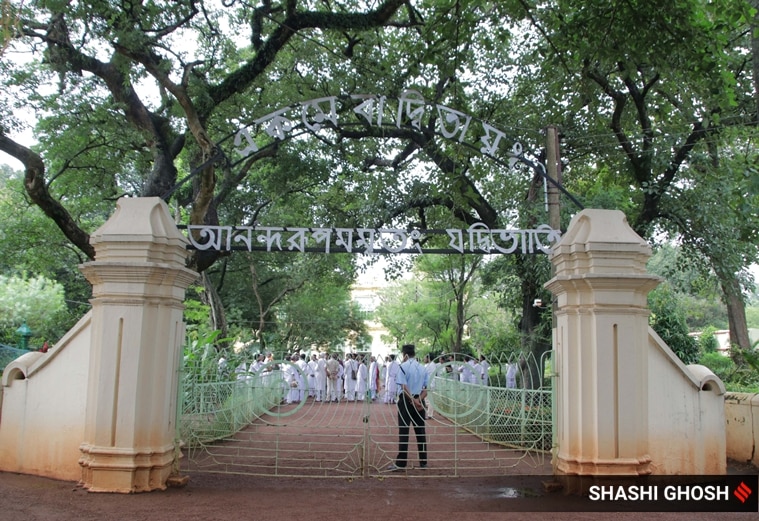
{"type": "Point", "coordinates": [553, 169]}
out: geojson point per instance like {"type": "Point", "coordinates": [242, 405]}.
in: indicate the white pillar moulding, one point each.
{"type": "Point", "coordinates": [138, 281]}
{"type": "Point", "coordinates": [601, 341]}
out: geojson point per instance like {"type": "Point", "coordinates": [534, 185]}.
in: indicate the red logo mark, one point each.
{"type": "Point", "coordinates": [742, 492]}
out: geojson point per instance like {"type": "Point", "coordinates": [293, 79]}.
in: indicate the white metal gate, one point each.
{"type": "Point", "coordinates": [247, 426]}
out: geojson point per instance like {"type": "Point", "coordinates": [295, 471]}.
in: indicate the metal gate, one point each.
{"type": "Point", "coordinates": [273, 423]}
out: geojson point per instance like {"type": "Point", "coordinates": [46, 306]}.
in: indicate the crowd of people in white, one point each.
{"type": "Point", "coordinates": [358, 377]}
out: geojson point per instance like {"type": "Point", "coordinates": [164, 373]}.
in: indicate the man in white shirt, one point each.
{"type": "Point", "coordinates": [373, 378]}
{"type": "Point", "coordinates": [362, 381]}
{"type": "Point", "coordinates": [351, 377]}
{"type": "Point", "coordinates": [333, 379]}
{"type": "Point", "coordinates": [311, 376]}
{"type": "Point", "coordinates": [412, 379]}
{"type": "Point", "coordinates": [485, 370]}
{"type": "Point", "coordinates": [320, 379]}
{"type": "Point", "coordinates": [391, 389]}
{"type": "Point", "coordinates": [303, 374]}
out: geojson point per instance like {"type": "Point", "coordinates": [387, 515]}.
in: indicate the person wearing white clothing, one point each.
{"type": "Point", "coordinates": [477, 373]}
{"type": "Point", "coordinates": [320, 378]}
{"type": "Point", "coordinates": [485, 370]}
{"type": "Point", "coordinates": [465, 372]}
{"type": "Point", "coordinates": [362, 379]}
{"type": "Point", "coordinates": [373, 378]}
{"type": "Point", "coordinates": [303, 375]}
{"type": "Point", "coordinates": [240, 371]}
{"type": "Point", "coordinates": [431, 367]}
{"type": "Point", "coordinates": [511, 376]}
{"type": "Point", "coordinates": [311, 376]}
{"type": "Point", "coordinates": [332, 367]}
{"type": "Point", "coordinates": [293, 380]}
{"type": "Point", "coordinates": [351, 377]}
{"type": "Point", "coordinates": [391, 388]}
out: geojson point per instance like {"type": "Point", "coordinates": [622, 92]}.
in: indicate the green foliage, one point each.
{"type": "Point", "coordinates": [118, 118]}
{"type": "Point", "coordinates": [33, 245]}
{"type": "Point", "coordinates": [37, 301]}
{"type": "Point", "coordinates": [707, 342]}
{"type": "Point", "coordinates": [668, 320]}
{"type": "Point", "coordinates": [742, 376]}
{"type": "Point", "coordinates": [746, 377]}
{"type": "Point", "coordinates": [444, 296]}
{"type": "Point", "coordinates": [721, 365]}
{"type": "Point", "coordinates": [752, 316]}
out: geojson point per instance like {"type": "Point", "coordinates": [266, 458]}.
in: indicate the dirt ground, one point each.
{"type": "Point", "coordinates": [224, 497]}
{"type": "Point", "coordinates": [418, 495]}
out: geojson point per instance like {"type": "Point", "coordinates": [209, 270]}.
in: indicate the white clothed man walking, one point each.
{"type": "Point", "coordinates": [466, 371]}
{"type": "Point", "coordinates": [311, 376]}
{"type": "Point", "coordinates": [333, 379]}
{"type": "Point", "coordinates": [373, 378]}
{"type": "Point", "coordinates": [293, 380]}
{"type": "Point", "coordinates": [241, 371]}
{"type": "Point", "coordinates": [511, 376]}
{"type": "Point", "coordinates": [320, 386]}
{"type": "Point", "coordinates": [485, 370]}
{"type": "Point", "coordinates": [391, 388]}
{"type": "Point", "coordinates": [477, 373]}
{"type": "Point", "coordinates": [303, 366]}
{"type": "Point", "coordinates": [362, 382]}
{"type": "Point", "coordinates": [351, 377]}
{"type": "Point", "coordinates": [254, 370]}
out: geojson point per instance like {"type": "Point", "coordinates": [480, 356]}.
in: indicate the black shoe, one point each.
{"type": "Point", "coordinates": [423, 466]}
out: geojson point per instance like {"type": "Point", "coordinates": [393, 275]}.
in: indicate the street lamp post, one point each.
{"type": "Point", "coordinates": [25, 334]}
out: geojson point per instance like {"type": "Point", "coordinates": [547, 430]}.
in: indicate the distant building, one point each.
{"type": "Point", "coordinates": [723, 338]}
{"type": "Point", "coordinates": [365, 293]}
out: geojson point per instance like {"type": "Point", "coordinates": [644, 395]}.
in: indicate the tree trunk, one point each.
{"type": "Point", "coordinates": [211, 298]}
{"type": "Point", "coordinates": [736, 312]}
{"type": "Point", "coordinates": [755, 56]}
{"type": "Point", "coordinates": [534, 344]}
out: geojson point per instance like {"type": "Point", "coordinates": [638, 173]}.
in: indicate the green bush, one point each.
{"type": "Point", "coordinates": [707, 342]}
{"type": "Point", "coordinates": [37, 301]}
{"type": "Point", "coordinates": [721, 365]}
{"type": "Point", "coordinates": [668, 320]}
{"type": "Point", "coordinates": [737, 378]}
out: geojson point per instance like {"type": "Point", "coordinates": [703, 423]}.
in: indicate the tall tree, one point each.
{"type": "Point", "coordinates": [670, 82]}
{"type": "Point", "coordinates": [101, 54]}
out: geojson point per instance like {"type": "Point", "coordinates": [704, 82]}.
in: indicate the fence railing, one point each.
{"type": "Point", "coordinates": [215, 410]}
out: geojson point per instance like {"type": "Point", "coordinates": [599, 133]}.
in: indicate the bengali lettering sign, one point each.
{"type": "Point", "coordinates": [410, 110]}
{"type": "Point", "coordinates": [478, 238]}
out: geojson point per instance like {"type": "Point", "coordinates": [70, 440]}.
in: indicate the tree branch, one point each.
{"type": "Point", "coordinates": [241, 79]}
{"type": "Point", "coordinates": [34, 182]}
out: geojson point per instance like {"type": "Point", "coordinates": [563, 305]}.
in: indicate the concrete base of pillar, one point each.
{"type": "Point", "coordinates": [577, 476]}
{"type": "Point", "coordinates": [110, 469]}
{"type": "Point", "coordinates": [599, 467]}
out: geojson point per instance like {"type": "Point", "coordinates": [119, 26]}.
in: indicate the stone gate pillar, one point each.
{"type": "Point", "coordinates": [138, 281]}
{"type": "Point", "coordinates": [601, 338]}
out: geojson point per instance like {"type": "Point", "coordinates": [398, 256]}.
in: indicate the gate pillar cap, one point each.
{"type": "Point", "coordinates": [600, 242]}
{"type": "Point", "coordinates": [140, 230]}
{"type": "Point", "coordinates": [602, 229]}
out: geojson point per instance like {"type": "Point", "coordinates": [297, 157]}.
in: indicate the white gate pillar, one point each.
{"type": "Point", "coordinates": [138, 281]}
{"type": "Point", "coordinates": [601, 337]}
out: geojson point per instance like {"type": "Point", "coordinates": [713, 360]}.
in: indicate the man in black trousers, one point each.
{"type": "Point", "coordinates": [412, 381]}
